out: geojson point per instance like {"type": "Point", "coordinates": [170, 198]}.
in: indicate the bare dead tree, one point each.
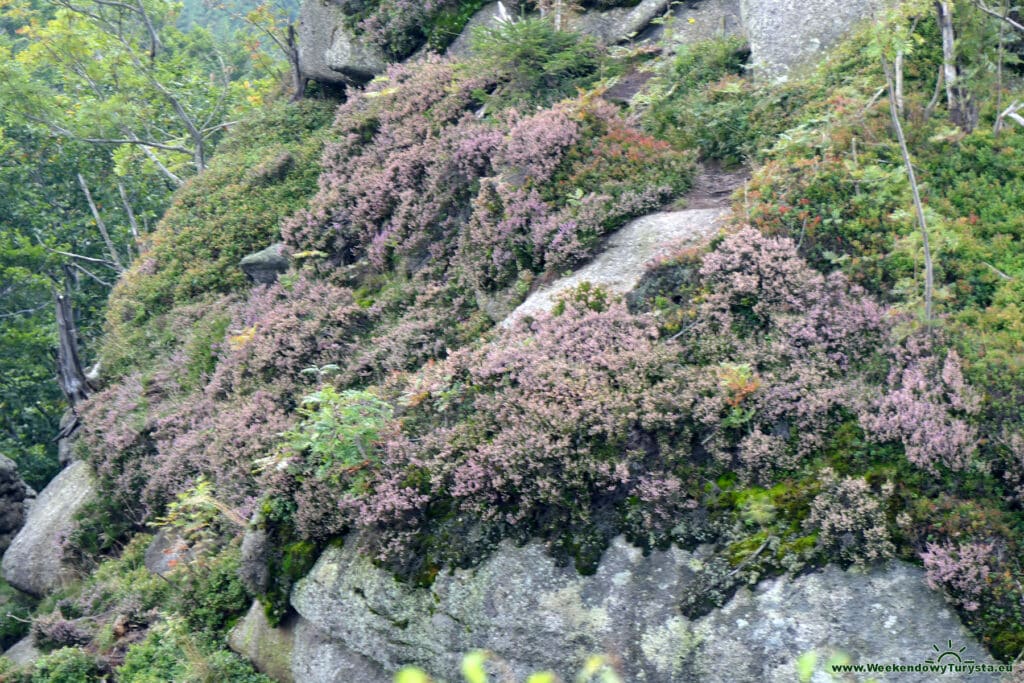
{"type": "Point", "coordinates": [70, 374]}
{"type": "Point", "coordinates": [111, 251]}
{"type": "Point", "coordinates": [929, 275]}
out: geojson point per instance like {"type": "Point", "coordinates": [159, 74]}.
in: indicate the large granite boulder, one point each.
{"type": "Point", "coordinates": [34, 561]}
{"type": "Point", "coordinates": [787, 35]}
{"type": "Point", "coordinates": [329, 51]}
{"type": "Point", "coordinates": [267, 647]}
{"type": "Point", "coordinates": [625, 258]}
{"type": "Point", "coordinates": [23, 654]}
{"type": "Point", "coordinates": [359, 623]}
{"type": "Point", "coordinates": [15, 501]}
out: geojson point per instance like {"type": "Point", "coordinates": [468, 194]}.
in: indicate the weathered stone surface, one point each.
{"type": "Point", "coordinates": [359, 623]}
{"type": "Point", "coordinates": [166, 552]}
{"type": "Point", "coordinates": [24, 653]}
{"type": "Point", "coordinates": [486, 16]}
{"type": "Point", "coordinates": [264, 267]}
{"type": "Point", "coordinates": [698, 20]}
{"type": "Point", "coordinates": [885, 616]}
{"type": "Point", "coordinates": [618, 24]}
{"type": "Point", "coordinates": [13, 496]}
{"type": "Point", "coordinates": [33, 563]}
{"type": "Point", "coordinates": [619, 267]}
{"type": "Point", "coordinates": [267, 647]}
{"type": "Point", "coordinates": [329, 52]}
{"type": "Point", "coordinates": [787, 35]}
{"type": "Point", "coordinates": [255, 549]}
{"type": "Point", "coordinates": [318, 657]}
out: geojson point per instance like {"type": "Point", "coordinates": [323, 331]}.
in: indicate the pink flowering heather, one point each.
{"type": "Point", "coordinates": [926, 407]}
{"type": "Point", "coordinates": [962, 570]}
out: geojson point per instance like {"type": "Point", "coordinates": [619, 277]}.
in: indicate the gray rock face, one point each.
{"type": "Point", "coordinates": [329, 52]}
{"type": "Point", "coordinates": [698, 20]}
{"type": "Point", "coordinates": [14, 494]}
{"type": "Point", "coordinates": [166, 552]}
{"type": "Point", "coordinates": [619, 267]}
{"type": "Point", "coordinates": [884, 616]}
{"type": "Point", "coordinates": [33, 562]}
{"type": "Point", "coordinates": [787, 35]}
{"type": "Point", "coordinates": [618, 24]}
{"type": "Point", "coordinates": [253, 570]}
{"type": "Point", "coordinates": [485, 16]}
{"type": "Point", "coordinates": [23, 654]}
{"type": "Point", "coordinates": [264, 267]}
{"type": "Point", "coordinates": [268, 648]}
{"type": "Point", "coordinates": [358, 623]}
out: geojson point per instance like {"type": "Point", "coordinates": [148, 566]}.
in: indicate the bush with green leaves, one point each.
{"type": "Point", "coordinates": [535, 60]}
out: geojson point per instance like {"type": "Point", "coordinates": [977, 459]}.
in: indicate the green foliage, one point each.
{"type": "Point", "coordinates": [537, 62]}
{"type": "Point", "coordinates": [171, 653]}
{"type": "Point", "coordinates": [67, 665]}
{"type": "Point", "coordinates": [265, 170]}
{"type": "Point", "coordinates": [211, 596]}
{"type": "Point", "coordinates": [15, 608]}
{"type": "Point", "coordinates": [338, 431]}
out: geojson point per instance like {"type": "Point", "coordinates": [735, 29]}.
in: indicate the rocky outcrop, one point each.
{"type": "Point", "coordinates": [166, 552]}
{"type": "Point", "coordinates": [23, 654]}
{"type": "Point", "coordinates": [787, 35]}
{"type": "Point", "coordinates": [618, 24]}
{"type": "Point", "coordinates": [329, 51]}
{"type": "Point", "coordinates": [697, 20]}
{"type": "Point", "coordinates": [264, 267]}
{"type": "Point", "coordinates": [623, 262]}
{"type": "Point", "coordinates": [34, 561]}
{"type": "Point", "coordinates": [267, 647]}
{"type": "Point", "coordinates": [359, 623]}
{"type": "Point", "coordinates": [16, 499]}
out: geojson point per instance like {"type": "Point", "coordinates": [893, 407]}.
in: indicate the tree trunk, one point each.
{"type": "Point", "coordinates": [70, 374]}
{"type": "Point", "coordinates": [929, 276]}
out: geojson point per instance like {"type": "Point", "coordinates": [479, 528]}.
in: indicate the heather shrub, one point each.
{"type": "Point", "coordinates": [962, 570]}
{"type": "Point", "coordinates": [927, 407]}
{"type": "Point", "coordinates": [850, 519]}
{"type": "Point", "coordinates": [569, 407]}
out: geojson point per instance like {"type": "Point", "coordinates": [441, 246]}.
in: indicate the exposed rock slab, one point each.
{"type": "Point", "coordinates": [788, 35]}
{"type": "Point", "coordinates": [359, 623]}
{"type": "Point", "coordinates": [619, 267]}
{"type": "Point", "coordinates": [694, 21]}
{"type": "Point", "coordinates": [329, 52]}
{"type": "Point", "coordinates": [488, 16]}
{"type": "Point", "coordinates": [268, 648]}
{"type": "Point", "coordinates": [23, 654]}
{"type": "Point", "coordinates": [34, 561]}
{"type": "Point", "coordinates": [265, 266]}
{"type": "Point", "coordinates": [618, 24]}
{"type": "Point", "coordinates": [883, 616]}
{"type": "Point", "coordinates": [166, 552]}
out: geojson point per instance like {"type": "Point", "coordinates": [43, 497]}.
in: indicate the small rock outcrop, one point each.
{"type": "Point", "coordinates": [788, 35]}
{"type": "Point", "coordinates": [267, 647]}
{"type": "Point", "coordinates": [359, 623]}
{"type": "Point", "coordinates": [623, 262]}
{"type": "Point", "coordinates": [34, 561]}
{"type": "Point", "coordinates": [15, 501]}
{"type": "Point", "coordinates": [264, 267]}
{"type": "Point", "coordinates": [618, 24]}
{"type": "Point", "coordinates": [329, 52]}
{"type": "Point", "coordinates": [23, 654]}
{"type": "Point", "coordinates": [166, 552]}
